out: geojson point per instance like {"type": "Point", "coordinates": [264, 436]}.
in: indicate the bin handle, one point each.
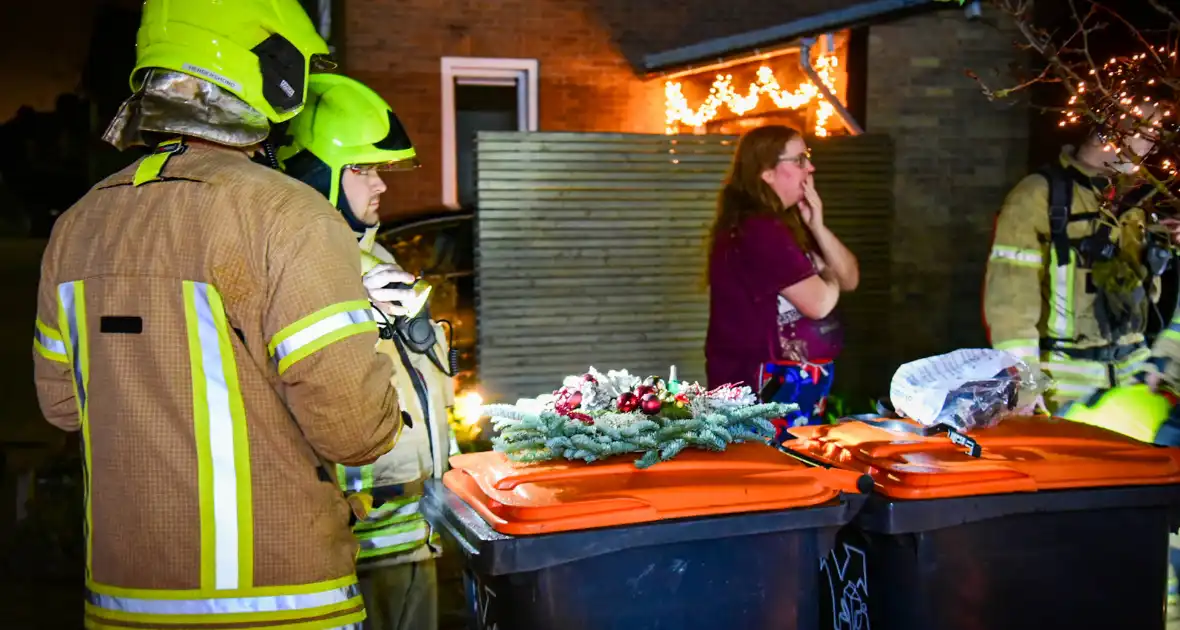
{"type": "Point", "coordinates": [897, 426]}
{"type": "Point", "coordinates": [864, 482]}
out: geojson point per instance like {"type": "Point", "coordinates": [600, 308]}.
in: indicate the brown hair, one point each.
{"type": "Point", "coordinates": [745, 194]}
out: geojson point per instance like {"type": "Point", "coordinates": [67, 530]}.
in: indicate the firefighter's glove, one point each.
{"type": "Point", "coordinates": [394, 302]}
{"type": "Point", "coordinates": [361, 504]}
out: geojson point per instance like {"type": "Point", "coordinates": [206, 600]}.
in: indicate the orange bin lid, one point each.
{"type": "Point", "coordinates": [1021, 454]}
{"type": "Point", "coordinates": [527, 499]}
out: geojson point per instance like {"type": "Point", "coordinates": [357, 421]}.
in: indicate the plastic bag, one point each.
{"type": "Point", "coordinates": [966, 389]}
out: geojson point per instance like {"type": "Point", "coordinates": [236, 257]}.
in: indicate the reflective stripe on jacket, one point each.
{"type": "Point", "coordinates": [212, 372]}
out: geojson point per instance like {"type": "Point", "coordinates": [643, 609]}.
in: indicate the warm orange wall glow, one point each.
{"type": "Point", "coordinates": [681, 115]}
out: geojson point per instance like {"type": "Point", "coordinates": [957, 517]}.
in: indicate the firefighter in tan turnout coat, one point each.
{"type": "Point", "coordinates": [1071, 279]}
{"type": "Point", "coordinates": [202, 321]}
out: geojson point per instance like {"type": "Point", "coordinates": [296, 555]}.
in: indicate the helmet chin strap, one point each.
{"type": "Point", "coordinates": [268, 150]}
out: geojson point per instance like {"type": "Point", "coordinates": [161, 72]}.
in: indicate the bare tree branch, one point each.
{"type": "Point", "coordinates": [1115, 98]}
{"type": "Point", "coordinates": [1166, 11]}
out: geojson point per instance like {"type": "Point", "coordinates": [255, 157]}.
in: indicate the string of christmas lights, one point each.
{"type": "Point", "coordinates": [678, 112]}
{"type": "Point", "coordinates": [1123, 87]}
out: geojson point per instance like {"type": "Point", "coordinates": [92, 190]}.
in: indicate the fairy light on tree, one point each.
{"type": "Point", "coordinates": [1124, 98]}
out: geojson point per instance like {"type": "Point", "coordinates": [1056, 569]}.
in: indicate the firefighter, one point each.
{"type": "Point", "coordinates": [217, 374]}
{"type": "Point", "coordinates": [1133, 410]}
{"type": "Point", "coordinates": [1071, 278]}
{"type": "Point", "coordinates": [1148, 416]}
{"type": "Point", "coordinates": [338, 144]}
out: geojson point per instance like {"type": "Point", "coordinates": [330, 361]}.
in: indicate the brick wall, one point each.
{"type": "Point", "coordinates": [587, 51]}
{"type": "Point", "coordinates": [957, 156]}
{"type": "Point", "coordinates": [585, 83]}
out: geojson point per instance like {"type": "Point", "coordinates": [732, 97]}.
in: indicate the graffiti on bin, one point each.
{"type": "Point", "coordinates": [480, 601]}
{"type": "Point", "coordinates": [848, 587]}
{"type": "Point", "coordinates": [486, 595]}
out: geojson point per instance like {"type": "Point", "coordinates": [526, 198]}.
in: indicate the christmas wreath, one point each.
{"type": "Point", "coordinates": [595, 416]}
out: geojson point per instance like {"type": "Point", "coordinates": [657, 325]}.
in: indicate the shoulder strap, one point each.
{"type": "Point", "coordinates": [151, 166]}
{"type": "Point", "coordinates": [1060, 202]}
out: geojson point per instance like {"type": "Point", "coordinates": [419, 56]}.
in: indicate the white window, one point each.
{"type": "Point", "coordinates": [481, 94]}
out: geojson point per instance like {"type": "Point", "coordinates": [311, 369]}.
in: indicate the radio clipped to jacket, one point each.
{"type": "Point", "coordinates": [414, 330]}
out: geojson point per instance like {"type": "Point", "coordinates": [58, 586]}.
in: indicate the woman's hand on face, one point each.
{"type": "Point", "coordinates": [811, 207]}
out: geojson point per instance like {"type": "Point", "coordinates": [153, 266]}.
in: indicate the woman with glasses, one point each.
{"type": "Point", "coordinates": [776, 272]}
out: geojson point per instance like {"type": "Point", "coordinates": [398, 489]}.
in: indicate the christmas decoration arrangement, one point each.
{"type": "Point", "coordinates": [596, 415]}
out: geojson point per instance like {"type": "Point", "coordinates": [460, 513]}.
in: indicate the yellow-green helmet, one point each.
{"type": "Point", "coordinates": [345, 124]}
{"type": "Point", "coordinates": [1133, 410]}
{"type": "Point", "coordinates": [260, 50]}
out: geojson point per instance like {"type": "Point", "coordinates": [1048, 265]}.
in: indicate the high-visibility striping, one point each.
{"type": "Point", "coordinates": [394, 539]}
{"type": "Point", "coordinates": [72, 304]}
{"type": "Point", "coordinates": [223, 465]}
{"type": "Point", "coordinates": [1020, 348]}
{"type": "Point", "coordinates": [225, 605]}
{"type": "Point", "coordinates": [1061, 290]}
{"type": "Point", "coordinates": [390, 513]}
{"type": "Point", "coordinates": [296, 608]}
{"type": "Point", "coordinates": [1017, 255]}
{"type": "Point", "coordinates": [319, 330]}
{"type": "Point", "coordinates": [355, 478]}
{"type": "Point", "coordinates": [71, 326]}
{"type": "Point", "coordinates": [49, 344]}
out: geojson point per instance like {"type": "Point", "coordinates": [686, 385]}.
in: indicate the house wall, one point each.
{"type": "Point", "coordinates": [587, 49]}
{"type": "Point", "coordinates": [585, 82]}
{"type": "Point", "coordinates": [957, 155]}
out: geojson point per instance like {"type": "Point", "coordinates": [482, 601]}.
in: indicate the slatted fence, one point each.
{"type": "Point", "coordinates": [591, 251]}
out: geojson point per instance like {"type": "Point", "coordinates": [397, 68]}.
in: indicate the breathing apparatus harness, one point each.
{"type": "Point", "coordinates": [1098, 247]}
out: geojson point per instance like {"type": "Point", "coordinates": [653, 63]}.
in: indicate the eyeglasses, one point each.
{"type": "Point", "coordinates": [400, 165]}
{"type": "Point", "coordinates": [321, 64]}
{"type": "Point", "coordinates": [800, 160]}
{"type": "Point", "coordinates": [362, 169]}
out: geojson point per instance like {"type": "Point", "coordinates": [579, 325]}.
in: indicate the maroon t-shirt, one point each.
{"type": "Point", "coordinates": [749, 321]}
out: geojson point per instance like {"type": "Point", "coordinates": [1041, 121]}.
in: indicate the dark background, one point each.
{"type": "Point", "coordinates": [64, 67]}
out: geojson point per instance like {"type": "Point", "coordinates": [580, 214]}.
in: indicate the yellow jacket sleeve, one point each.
{"type": "Point", "coordinates": [322, 337]}
{"type": "Point", "coordinates": [1013, 299]}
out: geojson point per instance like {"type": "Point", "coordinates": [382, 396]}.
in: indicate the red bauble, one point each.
{"type": "Point", "coordinates": [650, 403]}
{"type": "Point", "coordinates": [627, 402]}
{"type": "Point", "coordinates": [568, 399]}
{"type": "Point", "coordinates": [644, 390]}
